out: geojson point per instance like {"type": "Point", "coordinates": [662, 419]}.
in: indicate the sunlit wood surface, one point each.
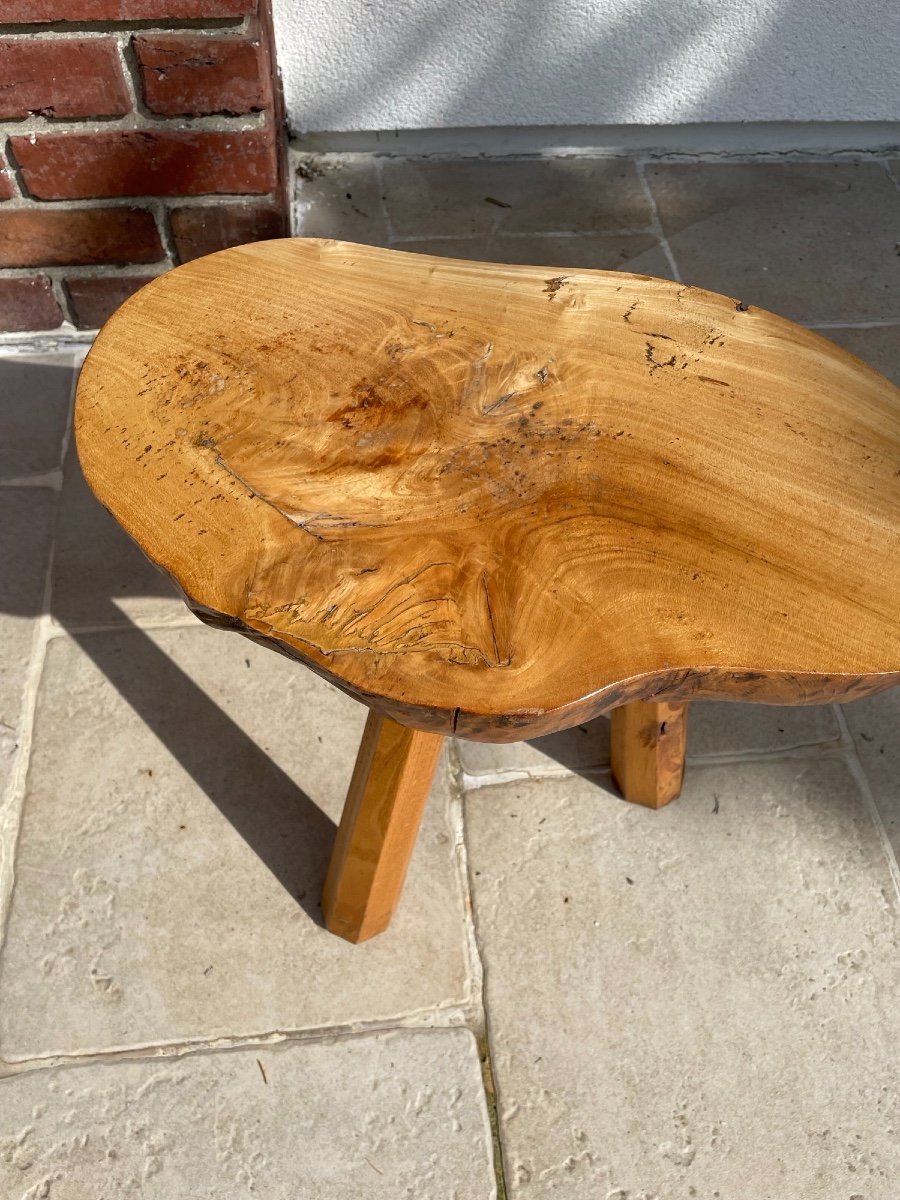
{"type": "Point", "coordinates": [501, 499]}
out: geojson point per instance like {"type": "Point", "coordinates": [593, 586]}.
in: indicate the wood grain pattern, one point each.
{"type": "Point", "coordinates": [499, 500]}
{"type": "Point", "coordinates": [381, 817]}
{"type": "Point", "coordinates": [648, 742]}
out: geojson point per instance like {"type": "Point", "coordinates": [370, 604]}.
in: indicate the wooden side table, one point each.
{"type": "Point", "coordinates": [496, 501]}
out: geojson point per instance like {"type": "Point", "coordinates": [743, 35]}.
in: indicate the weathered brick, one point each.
{"type": "Point", "coordinates": [40, 237]}
{"type": "Point", "coordinates": [93, 301]}
{"type": "Point", "coordinates": [38, 11]}
{"type": "Point", "coordinates": [143, 162]}
{"type": "Point", "coordinates": [193, 76]}
{"type": "Point", "coordinates": [206, 228]}
{"type": "Point", "coordinates": [61, 78]}
{"type": "Point", "coordinates": [6, 188]}
{"type": "Point", "coordinates": [27, 304]}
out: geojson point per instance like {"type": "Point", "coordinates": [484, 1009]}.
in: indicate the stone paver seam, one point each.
{"type": "Point", "coordinates": [13, 802]}
{"type": "Point", "coordinates": [884, 323]}
{"type": "Point", "coordinates": [478, 1017]}
{"type": "Point", "coordinates": [382, 199]}
{"type": "Point", "coordinates": [146, 625]}
{"type": "Point", "coordinates": [434, 1019]}
{"type": "Point", "coordinates": [854, 763]}
{"type": "Point", "coordinates": [886, 163]}
{"type": "Point", "coordinates": [505, 775]}
{"type": "Point", "coordinates": [640, 165]}
{"type": "Point", "coordinates": [457, 790]}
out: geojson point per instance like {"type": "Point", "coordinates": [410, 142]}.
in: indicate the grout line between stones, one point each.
{"type": "Point", "coordinates": [600, 772]}
{"type": "Point", "coordinates": [640, 167]}
{"type": "Point", "coordinates": [883, 323]}
{"type": "Point", "coordinates": [886, 164]}
{"type": "Point", "coordinates": [14, 800]}
{"type": "Point", "coordinates": [498, 234]}
{"type": "Point", "coordinates": [383, 201]}
{"type": "Point", "coordinates": [479, 977]}
{"type": "Point", "coordinates": [858, 771]}
{"type": "Point", "coordinates": [449, 1017]}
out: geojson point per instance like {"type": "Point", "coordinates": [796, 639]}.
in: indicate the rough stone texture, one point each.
{"type": "Point", "coordinates": [100, 577]}
{"type": "Point", "coordinates": [35, 394]}
{"type": "Point", "coordinates": [177, 826]}
{"type": "Point", "coordinates": [144, 162]}
{"type": "Point", "coordinates": [639, 253]}
{"type": "Point", "coordinates": [35, 11]}
{"type": "Point", "coordinates": [383, 1116]}
{"type": "Point", "coordinates": [27, 304]}
{"type": "Point", "coordinates": [814, 242]}
{"type": "Point", "coordinates": [94, 300]}
{"type": "Point", "coordinates": [181, 74]}
{"type": "Point", "coordinates": [67, 237]}
{"type": "Point", "coordinates": [61, 78]}
{"type": "Point", "coordinates": [880, 347]}
{"type": "Point", "coordinates": [684, 1001]}
{"type": "Point", "coordinates": [203, 229]}
{"type": "Point", "coordinates": [434, 198]}
{"type": "Point", "coordinates": [26, 518]}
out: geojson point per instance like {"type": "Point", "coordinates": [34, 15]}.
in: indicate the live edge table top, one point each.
{"type": "Point", "coordinates": [499, 500]}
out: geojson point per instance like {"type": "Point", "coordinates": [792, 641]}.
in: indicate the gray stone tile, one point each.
{"type": "Point", "coordinates": [35, 393]}
{"type": "Point", "coordinates": [431, 198]}
{"type": "Point", "coordinates": [723, 727]}
{"type": "Point", "coordinates": [684, 1001]}
{"type": "Point", "coordinates": [812, 241]}
{"type": "Point", "coordinates": [26, 518]}
{"type": "Point", "coordinates": [177, 825]}
{"type": "Point", "coordinates": [100, 577]}
{"type": "Point", "coordinates": [340, 198]}
{"type": "Point", "coordinates": [383, 1116]}
{"type": "Point", "coordinates": [879, 347]}
{"type": "Point", "coordinates": [638, 253]}
{"type": "Point", "coordinates": [875, 726]}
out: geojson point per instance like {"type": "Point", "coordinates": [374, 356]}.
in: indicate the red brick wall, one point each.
{"type": "Point", "coordinates": [134, 135]}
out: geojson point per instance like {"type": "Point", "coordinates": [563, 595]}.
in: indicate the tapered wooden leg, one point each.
{"type": "Point", "coordinates": [390, 784]}
{"type": "Point", "coordinates": [649, 741]}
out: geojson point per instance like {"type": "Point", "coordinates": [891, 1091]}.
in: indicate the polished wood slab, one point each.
{"type": "Point", "coordinates": [496, 501]}
{"type": "Point", "coordinates": [499, 500]}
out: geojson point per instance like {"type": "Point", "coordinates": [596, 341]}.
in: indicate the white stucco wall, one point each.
{"type": "Point", "coordinates": [420, 64]}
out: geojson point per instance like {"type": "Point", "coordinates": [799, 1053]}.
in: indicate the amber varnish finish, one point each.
{"type": "Point", "coordinates": [498, 500]}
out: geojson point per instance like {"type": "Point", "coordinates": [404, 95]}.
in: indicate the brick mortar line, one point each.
{"type": "Point", "coordinates": [33, 204]}
{"type": "Point", "coordinates": [13, 171]}
{"type": "Point", "coordinates": [130, 74]}
{"type": "Point", "coordinates": [89, 270]}
{"type": "Point", "coordinates": [212, 123]}
{"type": "Point", "coordinates": [61, 296]}
{"type": "Point", "coordinates": [66, 30]}
{"type": "Point", "coordinates": [127, 30]}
